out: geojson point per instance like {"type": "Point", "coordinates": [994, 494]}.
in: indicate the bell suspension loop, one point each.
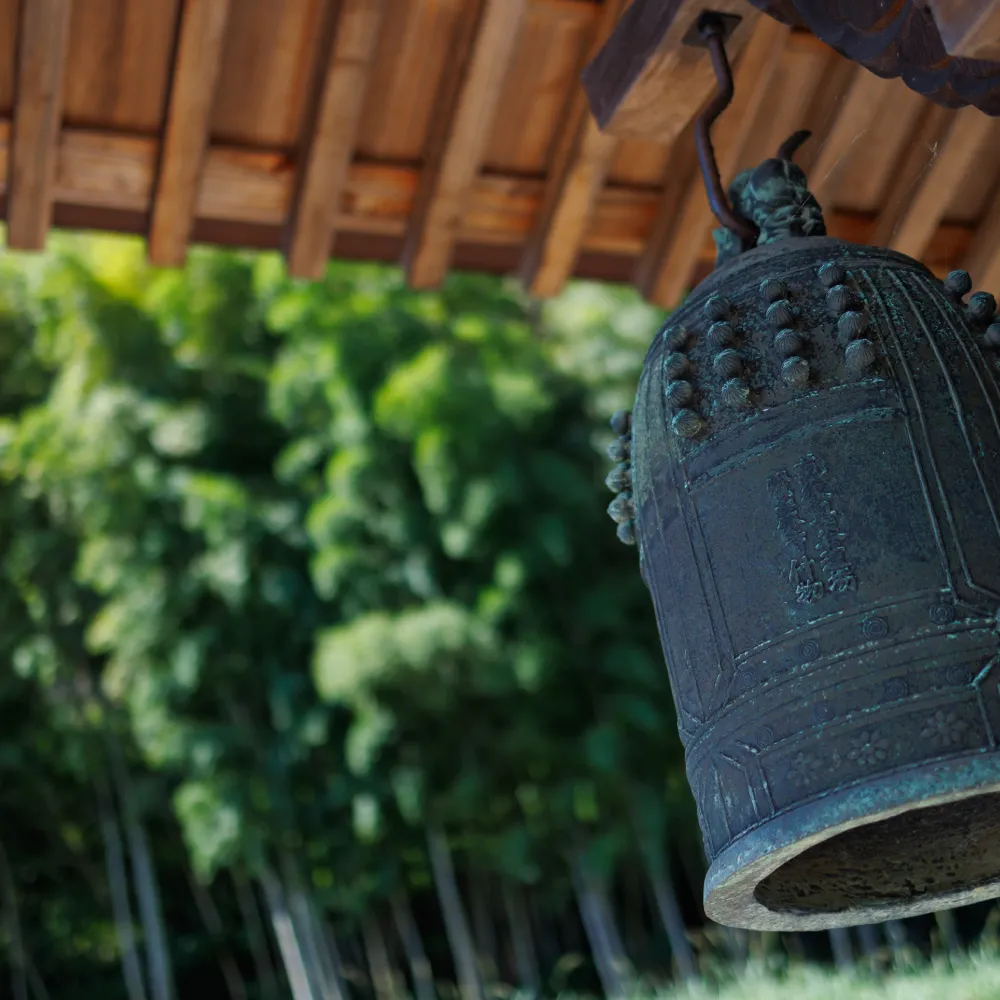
{"type": "Point", "coordinates": [712, 32]}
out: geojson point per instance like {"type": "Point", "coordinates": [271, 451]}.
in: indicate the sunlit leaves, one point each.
{"type": "Point", "coordinates": [211, 821]}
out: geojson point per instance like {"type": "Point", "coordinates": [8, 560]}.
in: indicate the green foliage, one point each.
{"type": "Point", "coordinates": [324, 565]}
{"type": "Point", "coordinates": [976, 977]}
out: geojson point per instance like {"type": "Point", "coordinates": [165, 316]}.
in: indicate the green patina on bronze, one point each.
{"type": "Point", "coordinates": [811, 473]}
{"type": "Point", "coordinates": [776, 198]}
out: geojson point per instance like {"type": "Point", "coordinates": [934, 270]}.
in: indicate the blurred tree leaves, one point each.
{"type": "Point", "coordinates": [331, 559]}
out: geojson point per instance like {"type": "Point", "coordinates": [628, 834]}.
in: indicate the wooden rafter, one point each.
{"type": "Point", "coordinates": [922, 151]}
{"type": "Point", "coordinates": [791, 96]}
{"type": "Point", "coordinates": [968, 131]}
{"type": "Point", "coordinates": [185, 140]}
{"type": "Point", "coordinates": [331, 137]}
{"type": "Point", "coordinates": [982, 258]}
{"type": "Point", "coordinates": [647, 81]}
{"type": "Point", "coordinates": [852, 125]}
{"type": "Point", "coordinates": [297, 153]}
{"type": "Point", "coordinates": [682, 172]}
{"type": "Point", "coordinates": [42, 43]}
{"type": "Point", "coordinates": [582, 159]}
{"type": "Point", "coordinates": [675, 275]}
{"type": "Point", "coordinates": [464, 115]}
{"type": "Point", "coordinates": [104, 180]}
{"type": "Point", "coordinates": [826, 107]}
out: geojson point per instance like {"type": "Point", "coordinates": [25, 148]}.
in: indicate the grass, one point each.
{"type": "Point", "coordinates": [970, 977]}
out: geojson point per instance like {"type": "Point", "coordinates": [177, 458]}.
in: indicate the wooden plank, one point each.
{"type": "Point", "coordinates": [416, 49]}
{"type": "Point", "coordinates": [118, 64]}
{"type": "Point", "coordinates": [826, 107]}
{"type": "Point", "coordinates": [545, 71]}
{"type": "Point", "coordinates": [752, 75]}
{"type": "Point", "coordinates": [192, 95]}
{"type": "Point", "coordinates": [104, 177]}
{"type": "Point", "coordinates": [792, 93]}
{"type": "Point", "coordinates": [646, 83]}
{"type": "Point", "coordinates": [107, 171]}
{"type": "Point", "coordinates": [638, 163]}
{"type": "Point", "coordinates": [466, 107]}
{"type": "Point", "coordinates": [581, 161]}
{"type": "Point", "coordinates": [868, 174]}
{"type": "Point", "coordinates": [269, 64]}
{"type": "Point", "coordinates": [982, 260]}
{"type": "Point", "coordinates": [971, 194]}
{"type": "Point", "coordinates": [922, 150]}
{"type": "Point", "coordinates": [331, 138]}
{"type": "Point", "coordinates": [9, 16]}
{"type": "Point", "coordinates": [969, 28]}
{"type": "Point", "coordinates": [44, 36]}
{"type": "Point", "coordinates": [682, 172]}
{"type": "Point", "coordinates": [853, 125]}
{"type": "Point", "coordinates": [968, 132]}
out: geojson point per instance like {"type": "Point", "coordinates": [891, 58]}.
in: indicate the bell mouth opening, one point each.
{"type": "Point", "coordinates": [905, 843]}
{"type": "Point", "coordinates": [919, 855]}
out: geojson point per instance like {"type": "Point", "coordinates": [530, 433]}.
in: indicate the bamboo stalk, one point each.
{"type": "Point", "coordinates": [665, 898]}
{"type": "Point", "coordinates": [843, 954]}
{"type": "Point", "coordinates": [256, 937]}
{"type": "Point", "coordinates": [380, 970]}
{"type": "Point", "coordinates": [413, 947]}
{"type": "Point", "coordinates": [209, 913]}
{"type": "Point", "coordinates": [287, 937]}
{"type": "Point", "coordinates": [520, 933]}
{"type": "Point", "coordinates": [158, 964]}
{"type": "Point", "coordinates": [114, 855]}
{"type": "Point", "coordinates": [12, 918]}
{"type": "Point", "coordinates": [604, 946]}
{"type": "Point", "coordinates": [456, 924]}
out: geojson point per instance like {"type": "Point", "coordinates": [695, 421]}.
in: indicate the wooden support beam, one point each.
{"type": "Point", "coordinates": [801, 72]}
{"type": "Point", "coordinates": [667, 283]}
{"type": "Point", "coordinates": [982, 259]}
{"type": "Point", "coordinates": [647, 82]}
{"type": "Point", "coordinates": [682, 172]}
{"type": "Point", "coordinates": [185, 140]}
{"type": "Point", "coordinates": [464, 112]}
{"type": "Point", "coordinates": [580, 165]}
{"type": "Point", "coordinates": [44, 35]}
{"type": "Point", "coordinates": [969, 28]}
{"type": "Point", "coordinates": [968, 132]}
{"type": "Point", "coordinates": [922, 151]}
{"type": "Point", "coordinates": [104, 181]}
{"type": "Point", "coordinates": [852, 125]}
{"type": "Point", "coordinates": [331, 136]}
{"type": "Point", "coordinates": [825, 108]}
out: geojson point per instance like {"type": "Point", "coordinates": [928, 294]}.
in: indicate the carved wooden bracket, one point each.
{"type": "Point", "coordinates": [901, 38]}
{"type": "Point", "coordinates": [649, 81]}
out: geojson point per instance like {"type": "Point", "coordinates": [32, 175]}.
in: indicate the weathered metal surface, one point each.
{"type": "Point", "coordinates": [812, 473]}
{"type": "Point", "coordinates": [896, 38]}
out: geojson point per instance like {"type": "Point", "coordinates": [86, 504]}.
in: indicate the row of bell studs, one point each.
{"type": "Point", "coordinates": [852, 321]}
{"type": "Point", "coordinates": [619, 480]}
{"type": "Point", "coordinates": [787, 341]}
{"type": "Point", "coordinates": [726, 363]}
{"type": "Point", "coordinates": [981, 308]}
{"type": "Point", "coordinates": [679, 391]}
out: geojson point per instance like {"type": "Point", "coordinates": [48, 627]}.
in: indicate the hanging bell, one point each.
{"type": "Point", "coordinates": [812, 476]}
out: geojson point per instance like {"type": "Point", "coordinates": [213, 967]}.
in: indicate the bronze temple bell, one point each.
{"type": "Point", "coordinates": [811, 473]}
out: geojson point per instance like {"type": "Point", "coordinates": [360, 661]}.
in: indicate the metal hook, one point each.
{"type": "Point", "coordinates": [712, 32]}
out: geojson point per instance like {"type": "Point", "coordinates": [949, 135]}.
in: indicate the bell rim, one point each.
{"type": "Point", "coordinates": [735, 874]}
